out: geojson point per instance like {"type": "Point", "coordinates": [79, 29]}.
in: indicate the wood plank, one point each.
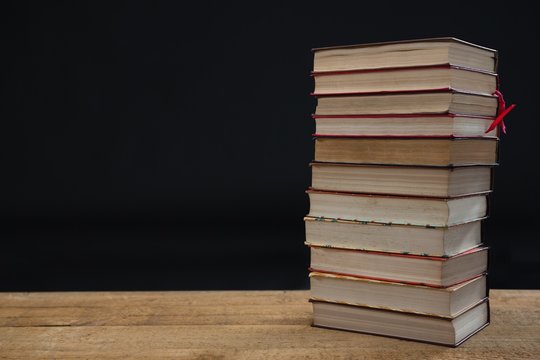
{"type": "Point", "coordinates": [155, 308]}
{"type": "Point", "coordinates": [240, 325]}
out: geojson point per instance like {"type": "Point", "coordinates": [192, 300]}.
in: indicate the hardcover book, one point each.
{"type": "Point", "coordinates": [419, 240]}
{"type": "Point", "coordinates": [421, 52]}
{"type": "Point", "coordinates": [408, 102]}
{"type": "Point", "coordinates": [446, 302]}
{"type": "Point", "coordinates": [446, 77]}
{"type": "Point", "coordinates": [403, 268]}
{"type": "Point", "coordinates": [425, 328]}
{"type": "Point", "coordinates": [406, 151]}
{"type": "Point", "coordinates": [408, 125]}
{"type": "Point", "coordinates": [386, 209]}
{"type": "Point", "coordinates": [401, 180]}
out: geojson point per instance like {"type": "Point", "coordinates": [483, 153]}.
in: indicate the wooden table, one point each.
{"type": "Point", "coordinates": [232, 324]}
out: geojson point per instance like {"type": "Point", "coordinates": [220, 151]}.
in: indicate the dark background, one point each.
{"type": "Point", "coordinates": [161, 145]}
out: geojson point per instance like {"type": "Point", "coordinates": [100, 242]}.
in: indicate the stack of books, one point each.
{"type": "Point", "coordinates": [400, 183]}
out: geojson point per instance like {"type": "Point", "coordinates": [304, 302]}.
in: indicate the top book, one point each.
{"type": "Point", "coordinates": [408, 53]}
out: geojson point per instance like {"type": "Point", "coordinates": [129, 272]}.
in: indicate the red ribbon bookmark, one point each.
{"type": "Point", "coordinates": [501, 113]}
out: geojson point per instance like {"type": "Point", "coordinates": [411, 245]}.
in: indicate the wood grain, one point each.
{"type": "Point", "coordinates": [232, 324]}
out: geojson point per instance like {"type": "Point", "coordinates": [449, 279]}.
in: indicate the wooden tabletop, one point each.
{"type": "Point", "coordinates": [232, 324]}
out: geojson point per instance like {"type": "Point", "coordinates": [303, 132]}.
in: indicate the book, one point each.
{"type": "Point", "coordinates": [420, 240]}
{"type": "Point", "coordinates": [392, 209]}
{"type": "Point", "coordinates": [407, 151]}
{"type": "Point", "coordinates": [404, 268]}
{"type": "Point", "coordinates": [443, 302]}
{"type": "Point", "coordinates": [422, 52]}
{"type": "Point", "coordinates": [401, 180]}
{"type": "Point", "coordinates": [405, 79]}
{"type": "Point", "coordinates": [418, 125]}
{"type": "Point", "coordinates": [408, 102]}
{"type": "Point", "coordinates": [431, 329]}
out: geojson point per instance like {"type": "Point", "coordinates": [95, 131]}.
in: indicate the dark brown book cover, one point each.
{"type": "Point", "coordinates": [401, 92]}
{"type": "Point", "coordinates": [311, 190]}
{"type": "Point", "coordinates": [435, 39]}
{"type": "Point", "coordinates": [401, 68]}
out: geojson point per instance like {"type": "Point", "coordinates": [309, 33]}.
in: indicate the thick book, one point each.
{"type": "Point", "coordinates": [420, 52]}
{"type": "Point", "coordinates": [405, 79]}
{"type": "Point", "coordinates": [443, 302]}
{"type": "Point", "coordinates": [408, 102]}
{"type": "Point", "coordinates": [407, 151]}
{"type": "Point", "coordinates": [425, 328]}
{"type": "Point", "coordinates": [391, 209]}
{"type": "Point", "coordinates": [401, 180]}
{"type": "Point", "coordinates": [419, 240]}
{"type": "Point", "coordinates": [410, 125]}
{"type": "Point", "coordinates": [404, 268]}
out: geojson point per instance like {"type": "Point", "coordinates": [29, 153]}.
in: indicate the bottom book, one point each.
{"type": "Point", "coordinates": [426, 328]}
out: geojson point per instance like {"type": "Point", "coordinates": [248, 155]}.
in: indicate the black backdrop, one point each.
{"type": "Point", "coordinates": [156, 145]}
